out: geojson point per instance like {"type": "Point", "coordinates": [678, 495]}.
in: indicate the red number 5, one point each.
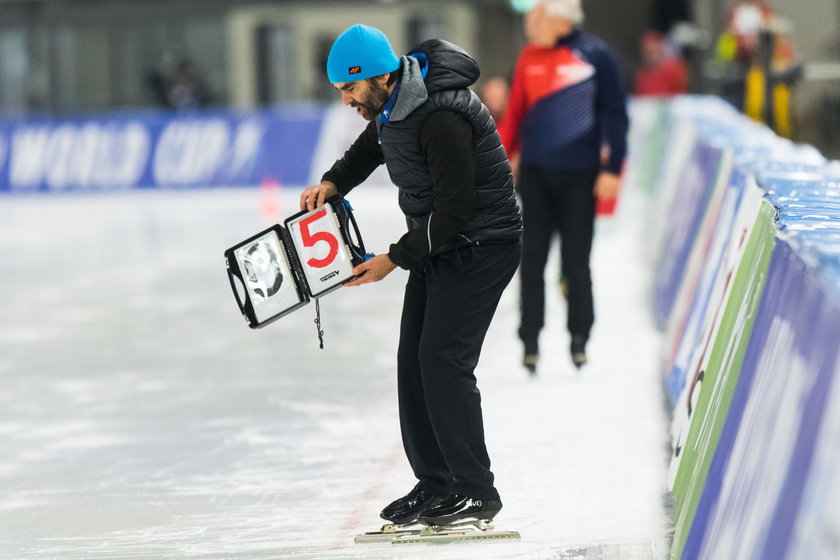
{"type": "Point", "coordinates": [310, 239]}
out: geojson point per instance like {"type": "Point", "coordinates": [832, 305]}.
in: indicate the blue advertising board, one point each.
{"type": "Point", "coordinates": [755, 482]}
{"type": "Point", "coordinates": [159, 149]}
{"type": "Point", "coordinates": [696, 186]}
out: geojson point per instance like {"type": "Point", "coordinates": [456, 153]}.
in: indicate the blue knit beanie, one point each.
{"type": "Point", "coordinates": [359, 53]}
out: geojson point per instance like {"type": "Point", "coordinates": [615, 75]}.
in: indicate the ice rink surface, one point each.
{"type": "Point", "coordinates": [141, 418]}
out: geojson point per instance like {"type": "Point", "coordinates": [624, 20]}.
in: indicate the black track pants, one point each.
{"type": "Point", "coordinates": [446, 314]}
{"type": "Point", "coordinates": [562, 201]}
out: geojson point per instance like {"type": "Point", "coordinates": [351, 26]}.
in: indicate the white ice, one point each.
{"type": "Point", "coordinates": [141, 418]}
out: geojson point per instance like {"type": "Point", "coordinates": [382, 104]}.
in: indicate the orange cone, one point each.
{"type": "Point", "coordinates": [270, 198]}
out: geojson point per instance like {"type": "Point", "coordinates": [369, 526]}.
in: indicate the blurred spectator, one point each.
{"type": "Point", "coordinates": [159, 78]}
{"type": "Point", "coordinates": [662, 71]}
{"type": "Point", "coordinates": [176, 84]}
{"type": "Point", "coordinates": [187, 90]}
{"type": "Point", "coordinates": [744, 23]}
{"type": "Point", "coordinates": [770, 79]}
{"type": "Point", "coordinates": [494, 95]}
{"type": "Point", "coordinates": [759, 68]}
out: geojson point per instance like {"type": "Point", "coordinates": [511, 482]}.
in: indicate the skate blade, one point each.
{"type": "Point", "coordinates": [387, 533]}
{"type": "Point", "coordinates": [458, 532]}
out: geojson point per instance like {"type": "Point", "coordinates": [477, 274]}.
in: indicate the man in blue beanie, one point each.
{"type": "Point", "coordinates": [462, 248]}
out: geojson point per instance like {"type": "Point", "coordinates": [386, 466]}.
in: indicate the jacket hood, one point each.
{"type": "Point", "coordinates": [412, 92]}
{"type": "Point", "coordinates": [450, 67]}
{"type": "Point", "coordinates": [435, 65]}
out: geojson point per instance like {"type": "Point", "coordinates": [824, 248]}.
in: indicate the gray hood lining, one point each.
{"type": "Point", "coordinates": [412, 89]}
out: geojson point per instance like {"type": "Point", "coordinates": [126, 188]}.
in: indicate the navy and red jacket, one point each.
{"type": "Point", "coordinates": [566, 102]}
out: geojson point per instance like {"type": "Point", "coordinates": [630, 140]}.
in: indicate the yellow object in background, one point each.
{"type": "Point", "coordinates": [755, 100]}
{"type": "Point", "coordinates": [781, 110]}
{"type": "Point", "coordinates": [727, 45]}
{"type": "Point", "coordinates": [754, 96]}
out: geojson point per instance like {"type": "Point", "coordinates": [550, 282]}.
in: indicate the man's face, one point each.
{"type": "Point", "coordinates": [368, 97]}
{"type": "Point", "coordinates": [543, 29]}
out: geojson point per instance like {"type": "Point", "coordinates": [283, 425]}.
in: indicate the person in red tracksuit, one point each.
{"type": "Point", "coordinates": [567, 103]}
{"type": "Point", "coordinates": [662, 72]}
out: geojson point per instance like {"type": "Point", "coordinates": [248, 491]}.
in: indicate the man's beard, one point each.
{"type": "Point", "coordinates": [373, 103]}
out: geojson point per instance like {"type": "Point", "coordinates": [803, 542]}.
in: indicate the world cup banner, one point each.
{"type": "Point", "coordinates": [155, 149]}
{"type": "Point", "coordinates": [282, 268]}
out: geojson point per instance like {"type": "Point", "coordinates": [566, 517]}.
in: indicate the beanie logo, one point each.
{"type": "Point", "coordinates": [354, 70]}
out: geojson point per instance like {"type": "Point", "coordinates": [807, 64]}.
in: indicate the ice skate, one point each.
{"type": "Point", "coordinates": [578, 350]}
{"type": "Point", "coordinates": [530, 362]}
{"type": "Point", "coordinates": [459, 518]}
{"type": "Point", "coordinates": [532, 356]}
{"type": "Point", "coordinates": [389, 532]}
{"type": "Point", "coordinates": [413, 533]}
{"type": "Point", "coordinates": [405, 510]}
{"type": "Point", "coordinates": [474, 530]}
{"type": "Point", "coordinates": [457, 508]}
{"type": "Point", "coordinates": [402, 514]}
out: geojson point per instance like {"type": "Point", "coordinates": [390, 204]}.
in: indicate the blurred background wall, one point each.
{"type": "Point", "coordinates": [80, 56]}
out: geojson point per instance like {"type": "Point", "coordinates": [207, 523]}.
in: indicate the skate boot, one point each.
{"type": "Point", "coordinates": [530, 362]}
{"type": "Point", "coordinates": [457, 508]}
{"type": "Point", "coordinates": [578, 349]}
{"type": "Point", "coordinates": [406, 509]}
{"type": "Point", "coordinates": [531, 357]}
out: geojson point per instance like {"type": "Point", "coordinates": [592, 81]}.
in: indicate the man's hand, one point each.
{"type": "Point", "coordinates": [372, 270]}
{"type": "Point", "coordinates": [606, 185]}
{"type": "Point", "coordinates": [314, 196]}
